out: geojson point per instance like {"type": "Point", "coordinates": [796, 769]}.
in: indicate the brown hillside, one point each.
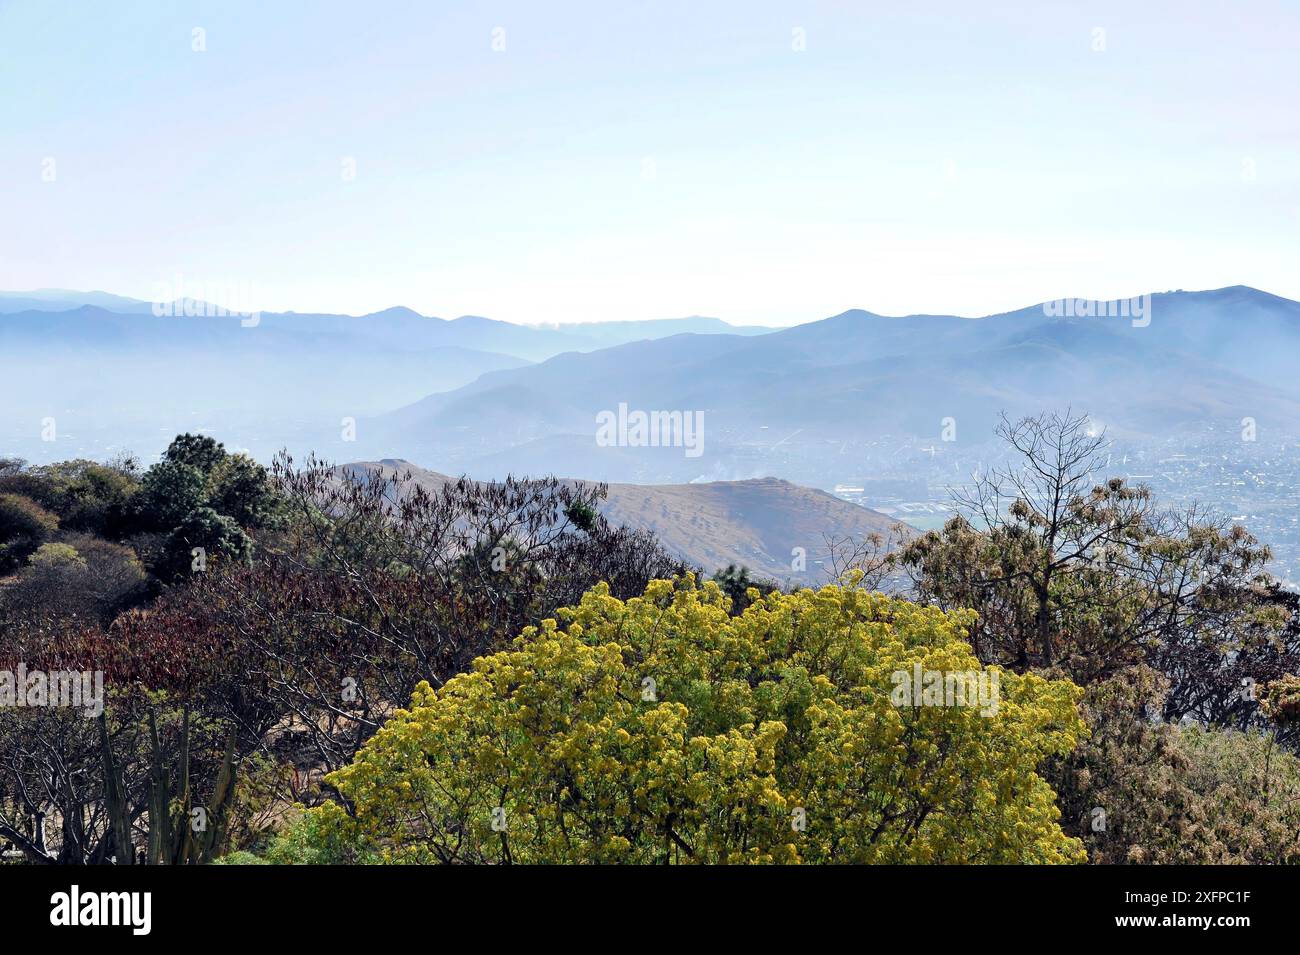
{"type": "Point", "coordinates": [756, 523]}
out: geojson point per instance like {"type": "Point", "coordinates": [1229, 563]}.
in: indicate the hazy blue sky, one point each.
{"type": "Point", "coordinates": [648, 160]}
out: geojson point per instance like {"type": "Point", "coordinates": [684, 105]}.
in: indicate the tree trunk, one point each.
{"type": "Point", "coordinates": [1044, 623]}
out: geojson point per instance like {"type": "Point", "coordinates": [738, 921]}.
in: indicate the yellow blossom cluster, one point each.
{"type": "Point", "coordinates": [664, 729]}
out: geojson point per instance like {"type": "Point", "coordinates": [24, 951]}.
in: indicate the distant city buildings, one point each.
{"type": "Point", "coordinates": [1256, 485]}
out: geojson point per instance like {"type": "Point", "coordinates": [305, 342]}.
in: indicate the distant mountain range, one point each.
{"type": "Point", "coordinates": [92, 317]}
{"type": "Point", "coordinates": [483, 397]}
{"type": "Point", "coordinates": [797, 401]}
{"type": "Point", "coordinates": [757, 524]}
{"type": "Point", "coordinates": [113, 375]}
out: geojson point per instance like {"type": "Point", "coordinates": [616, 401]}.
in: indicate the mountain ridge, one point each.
{"type": "Point", "coordinates": [855, 377]}
{"type": "Point", "coordinates": [802, 401]}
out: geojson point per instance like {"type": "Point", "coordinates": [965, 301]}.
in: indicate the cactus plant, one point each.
{"type": "Point", "coordinates": [179, 833]}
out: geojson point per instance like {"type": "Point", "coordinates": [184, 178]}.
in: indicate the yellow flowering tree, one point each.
{"type": "Point", "coordinates": [661, 729]}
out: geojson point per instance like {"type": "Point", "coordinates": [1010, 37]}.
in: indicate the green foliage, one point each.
{"type": "Point", "coordinates": [664, 729]}
{"type": "Point", "coordinates": [195, 472]}
{"type": "Point", "coordinates": [240, 857]}
{"type": "Point", "coordinates": [239, 488]}
{"type": "Point", "coordinates": [24, 526]}
{"type": "Point", "coordinates": [199, 495]}
{"type": "Point", "coordinates": [219, 536]}
{"type": "Point", "coordinates": [582, 514]}
{"type": "Point", "coordinates": [312, 838]}
{"type": "Point", "coordinates": [171, 491]}
{"type": "Point", "coordinates": [87, 496]}
{"type": "Point", "coordinates": [1253, 787]}
{"type": "Point", "coordinates": [736, 583]}
{"type": "Point", "coordinates": [51, 556]}
{"type": "Point", "coordinates": [196, 451]}
{"type": "Point", "coordinates": [1139, 790]}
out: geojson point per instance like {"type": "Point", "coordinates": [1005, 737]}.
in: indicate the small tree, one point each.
{"type": "Point", "coordinates": [663, 729]}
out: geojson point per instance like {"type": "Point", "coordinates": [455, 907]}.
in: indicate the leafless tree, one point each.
{"type": "Point", "coordinates": [875, 556]}
{"type": "Point", "coordinates": [1065, 567]}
